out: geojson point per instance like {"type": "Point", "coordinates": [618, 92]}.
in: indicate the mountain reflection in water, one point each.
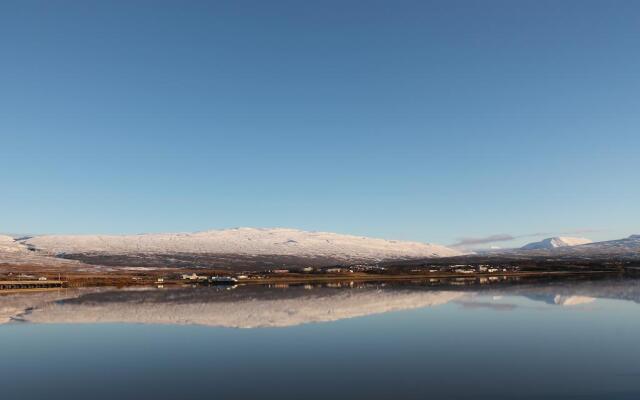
{"type": "Point", "coordinates": [255, 306]}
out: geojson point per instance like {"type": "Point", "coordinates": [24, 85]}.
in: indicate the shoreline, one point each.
{"type": "Point", "coordinates": [153, 278]}
{"type": "Point", "coordinates": [409, 277]}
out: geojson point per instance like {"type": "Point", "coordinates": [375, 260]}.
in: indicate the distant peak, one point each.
{"type": "Point", "coordinates": [554, 242]}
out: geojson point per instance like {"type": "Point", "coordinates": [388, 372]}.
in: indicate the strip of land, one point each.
{"type": "Point", "coordinates": [168, 278]}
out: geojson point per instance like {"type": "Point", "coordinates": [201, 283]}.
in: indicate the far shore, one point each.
{"type": "Point", "coordinates": [172, 277]}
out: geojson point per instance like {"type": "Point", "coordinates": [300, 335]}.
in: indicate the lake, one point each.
{"type": "Point", "coordinates": [552, 339]}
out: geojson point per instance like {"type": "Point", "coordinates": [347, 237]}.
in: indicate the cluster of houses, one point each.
{"type": "Point", "coordinates": [367, 268]}
{"type": "Point", "coordinates": [27, 277]}
{"type": "Point", "coordinates": [209, 279]}
{"type": "Point", "coordinates": [328, 270]}
{"type": "Point", "coordinates": [332, 269]}
{"type": "Point", "coordinates": [458, 269]}
{"type": "Point", "coordinates": [469, 269]}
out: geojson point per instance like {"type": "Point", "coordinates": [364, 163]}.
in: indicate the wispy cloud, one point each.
{"type": "Point", "coordinates": [473, 241]}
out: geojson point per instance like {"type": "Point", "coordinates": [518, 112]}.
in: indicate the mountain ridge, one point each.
{"type": "Point", "coordinates": [246, 241]}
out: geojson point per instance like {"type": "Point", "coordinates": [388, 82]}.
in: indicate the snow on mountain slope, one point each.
{"type": "Point", "coordinates": [248, 241]}
{"type": "Point", "coordinates": [9, 245]}
{"type": "Point", "coordinates": [555, 242]}
{"type": "Point", "coordinates": [14, 252]}
{"type": "Point", "coordinates": [629, 245]}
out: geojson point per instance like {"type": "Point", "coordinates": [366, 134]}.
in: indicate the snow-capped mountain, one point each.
{"type": "Point", "coordinates": [242, 241]}
{"type": "Point", "coordinates": [555, 242]}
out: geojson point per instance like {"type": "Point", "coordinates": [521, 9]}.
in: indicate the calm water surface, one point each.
{"type": "Point", "coordinates": [553, 340]}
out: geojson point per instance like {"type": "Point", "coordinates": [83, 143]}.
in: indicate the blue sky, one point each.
{"type": "Point", "coordinates": [420, 120]}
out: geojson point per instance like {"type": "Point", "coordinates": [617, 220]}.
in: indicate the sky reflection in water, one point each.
{"type": "Point", "coordinates": [553, 340]}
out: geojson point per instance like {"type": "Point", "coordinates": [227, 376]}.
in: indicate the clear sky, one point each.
{"type": "Point", "coordinates": [420, 120]}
